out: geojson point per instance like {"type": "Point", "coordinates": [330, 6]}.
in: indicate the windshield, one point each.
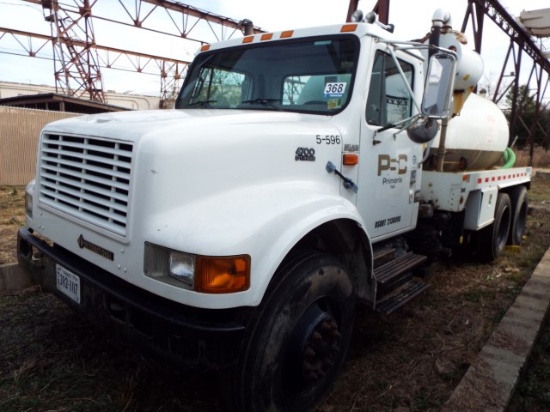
{"type": "Point", "coordinates": [308, 75]}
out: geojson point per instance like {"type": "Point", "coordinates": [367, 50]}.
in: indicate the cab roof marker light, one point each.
{"type": "Point", "coordinates": [205, 47]}
{"type": "Point", "coordinates": [286, 34]}
{"type": "Point", "coordinates": [266, 36]}
{"type": "Point", "coordinates": [348, 28]}
{"type": "Point", "coordinates": [248, 39]}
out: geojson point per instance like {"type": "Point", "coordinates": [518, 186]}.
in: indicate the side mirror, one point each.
{"type": "Point", "coordinates": [438, 91]}
{"type": "Point", "coordinates": [423, 131]}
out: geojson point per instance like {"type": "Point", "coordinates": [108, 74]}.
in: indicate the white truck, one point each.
{"type": "Point", "coordinates": [300, 172]}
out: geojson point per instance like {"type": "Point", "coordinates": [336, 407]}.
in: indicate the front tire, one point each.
{"type": "Point", "coordinates": [298, 339]}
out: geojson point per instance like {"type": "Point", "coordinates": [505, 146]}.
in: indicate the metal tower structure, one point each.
{"type": "Point", "coordinates": [76, 65]}
{"type": "Point", "coordinates": [520, 45]}
{"type": "Point", "coordinates": [78, 59]}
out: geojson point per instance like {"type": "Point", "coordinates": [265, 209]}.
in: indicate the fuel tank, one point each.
{"type": "Point", "coordinates": [476, 138]}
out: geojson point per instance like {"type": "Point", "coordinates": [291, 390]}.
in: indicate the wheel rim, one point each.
{"type": "Point", "coordinates": [312, 349]}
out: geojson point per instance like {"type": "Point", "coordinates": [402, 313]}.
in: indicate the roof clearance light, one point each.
{"type": "Point", "coordinates": [205, 47]}
{"type": "Point", "coordinates": [286, 34]}
{"type": "Point", "coordinates": [347, 28]}
{"type": "Point", "coordinates": [266, 36]}
{"type": "Point", "coordinates": [248, 39]}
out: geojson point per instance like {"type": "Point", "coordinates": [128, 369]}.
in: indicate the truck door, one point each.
{"type": "Point", "coordinates": [389, 159]}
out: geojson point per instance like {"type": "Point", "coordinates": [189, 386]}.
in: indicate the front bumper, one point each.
{"type": "Point", "coordinates": [201, 338]}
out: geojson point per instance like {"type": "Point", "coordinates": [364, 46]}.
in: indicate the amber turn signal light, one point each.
{"type": "Point", "coordinates": [350, 159]}
{"type": "Point", "coordinates": [222, 274]}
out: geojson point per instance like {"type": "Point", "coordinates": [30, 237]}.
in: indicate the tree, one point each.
{"type": "Point", "coordinates": [532, 121]}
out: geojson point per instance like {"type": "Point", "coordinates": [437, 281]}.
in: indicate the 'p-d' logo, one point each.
{"type": "Point", "coordinates": [385, 162]}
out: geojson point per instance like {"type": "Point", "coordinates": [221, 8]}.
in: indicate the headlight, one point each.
{"type": "Point", "coordinates": [182, 267]}
{"type": "Point", "coordinates": [29, 193]}
{"type": "Point", "coordinates": [207, 274]}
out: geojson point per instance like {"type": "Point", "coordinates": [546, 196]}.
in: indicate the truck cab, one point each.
{"type": "Point", "coordinates": [349, 85]}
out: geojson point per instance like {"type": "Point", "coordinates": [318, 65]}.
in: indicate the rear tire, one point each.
{"type": "Point", "coordinates": [520, 206]}
{"type": "Point", "coordinates": [492, 239]}
{"type": "Point", "coordinates": [298, 338]}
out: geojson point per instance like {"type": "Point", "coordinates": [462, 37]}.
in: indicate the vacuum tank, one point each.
{"type": "Point", "coordinates": [477, 134]}
{"type": "Point", "coordinates": [476, 138]}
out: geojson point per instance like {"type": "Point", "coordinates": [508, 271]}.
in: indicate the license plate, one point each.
{"type": "Point", "coordinates": [68, 283]}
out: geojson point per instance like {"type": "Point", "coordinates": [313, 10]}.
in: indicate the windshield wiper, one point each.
{"type": "Point", "coordinates": [202, 103]}
{"type": "Point", "coordinates": [264, 102]}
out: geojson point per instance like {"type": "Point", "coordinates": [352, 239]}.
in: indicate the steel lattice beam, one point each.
{"type": "Point", "coordinates": [188, 11]}
{"type": "Point", "coordinates": [184, 19]}
{"type": "Point", "coordinates": [76, 67]}
{"type": "Point", "coordinates": [171, 71]}
{"type": "Point", "coordinates": [78, 59]}
{"type": "Point", "coordinates": [520, 44]}
{"type": "Point", "coordinates": [498, 14]}
{"type": "Point", "coordinates": [382, 8]}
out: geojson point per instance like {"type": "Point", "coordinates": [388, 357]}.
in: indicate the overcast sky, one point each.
{"type": "Point", "coordinates": [410, 21]}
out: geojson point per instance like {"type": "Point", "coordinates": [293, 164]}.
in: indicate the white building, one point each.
{"type": "Point", "coordinates": [129, 101]}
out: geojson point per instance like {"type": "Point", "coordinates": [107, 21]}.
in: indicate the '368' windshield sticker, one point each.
{"type": "Point", "coordinates": [334, 89]}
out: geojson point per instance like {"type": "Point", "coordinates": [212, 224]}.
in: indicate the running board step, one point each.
{"type": "Point", "coordinates": [396, 272]}
{"type": "Point", "coordinates": [401, 296]}
{"type": "Point", "coordinates": [383, 255]}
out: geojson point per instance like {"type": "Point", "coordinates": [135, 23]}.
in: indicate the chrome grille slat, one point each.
{"type": "Point", "coordinates": [88, 178]}
{"type": "Point", "coordinates": [90, 168]}
{"type": "Point", "coordinates": [67, 201]}
{"type": "Point", "coordinates": [51, 173]}
{"type": "Point", "coordinates": [78, 198]}
{"type": "Point", "coordinates": [87, 158]}
{"type": "Point", "coordinates": [83, 146]}
{"type": "Point", "coordinates": [119, 230]}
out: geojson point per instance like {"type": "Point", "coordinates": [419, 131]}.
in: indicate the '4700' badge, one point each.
{"type": "Point", "coordinates": [305, 154]}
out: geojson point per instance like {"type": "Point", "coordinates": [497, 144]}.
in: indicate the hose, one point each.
{"type": "Point", "coordinates": [509, 158]}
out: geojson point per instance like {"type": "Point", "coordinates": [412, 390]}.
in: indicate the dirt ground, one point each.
{"type": "Point", "coordinates": [12, 216]}
{"type": "Point", "coordinates": [51, 359]}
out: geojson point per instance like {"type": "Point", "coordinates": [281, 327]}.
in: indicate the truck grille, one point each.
{"type": "Point", "coordinates": [87, 178]}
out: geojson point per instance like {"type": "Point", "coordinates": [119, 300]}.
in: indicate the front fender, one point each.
{"type": "Point", "coordinates": [263, 221]}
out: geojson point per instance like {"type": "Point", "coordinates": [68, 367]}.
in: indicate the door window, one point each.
{"type": "Point", "coordinates": [389, 99]}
